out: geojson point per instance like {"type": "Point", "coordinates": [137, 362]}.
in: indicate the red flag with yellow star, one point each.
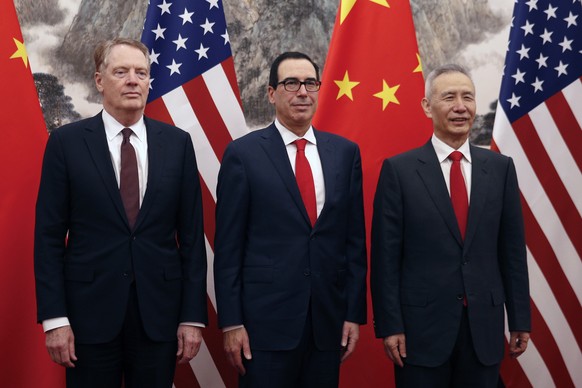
{"type": "Point", "coordinates": [24, 360]}
{"type": "Point", "coordinates": [371, 92]}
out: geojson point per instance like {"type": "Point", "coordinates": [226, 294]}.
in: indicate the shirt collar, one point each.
{"type": "Point", "coordinates": [289, 137]}
{"type": "Point", "coordinates": [113, 127]}
{"type": "Point", "coordinates": [443, 150]}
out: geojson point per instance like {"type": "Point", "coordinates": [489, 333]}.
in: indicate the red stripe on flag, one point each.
{"type": "Point", "coordinates": [228, 67]}
{"type": "Point", "coordinates": [546, 259]}
{"type": "Point", "coordinates": [207, 114]}
{"type": "Point", "coordinates": [550, 180]}
{"type": "Point", "coordinates": [566, 122]}
{"type": "Point", "coordinates": [548, 349]}
{"type": "Point", "coordinates": [157, 110]}
{"type": "Point", "coordinates": [185, 377]}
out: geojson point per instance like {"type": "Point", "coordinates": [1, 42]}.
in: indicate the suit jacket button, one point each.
{"type": "Point", "coordinates": [460, 297]}
{"type": "Point", "coordinates": [307, 272]}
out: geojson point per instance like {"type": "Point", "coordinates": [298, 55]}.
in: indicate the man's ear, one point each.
{"type": "Point", "coordinates": [426, 107]}
{"type": "Point", "coordinates": [99, 81]}
{"type": "Point", "coordinates": [270, 93]}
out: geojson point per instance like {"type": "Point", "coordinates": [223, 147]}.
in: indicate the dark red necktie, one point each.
{"type": "Point", "coordinates": [305, 180]}
{"type": "Point", "coordinates": [459, 192]}
{"type": "Point", "coordinates": [128, 178]}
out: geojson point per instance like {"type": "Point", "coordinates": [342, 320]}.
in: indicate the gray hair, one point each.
{"type": "Point", "coordinates": [101, 54]}
{"type": "Point", "coordinates": [440, 70]}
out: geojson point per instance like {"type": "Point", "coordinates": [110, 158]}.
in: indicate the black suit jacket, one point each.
{"type": "Point", "coordinates": [420, 267]}
{"type": "Point", "coordinates": [270, 265]}
{"type": "Point", "coordinates": [88, 277]}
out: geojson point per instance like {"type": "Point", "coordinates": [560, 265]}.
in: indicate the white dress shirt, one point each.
{"type": "Point", "coordinates": [443, 151]}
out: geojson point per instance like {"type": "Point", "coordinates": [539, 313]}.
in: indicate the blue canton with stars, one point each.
{"type": "Point", "coordinates": [544, 54]}
{"type": "Point", "coordinates": [186, 38]}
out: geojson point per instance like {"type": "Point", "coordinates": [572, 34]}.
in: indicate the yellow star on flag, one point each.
{"type": "Point", "coordinates": [20, 52]}
{"type": "Point", "coordinates": [347, 5]}
{"type": "Point", "coordinates": [345, 87]}
{"type": "Point", "coordinates": [419, 67]}
{"type": "Point", "coordinates": [381, 2]}
{"type": "Point", "coordinates": [387, 95]}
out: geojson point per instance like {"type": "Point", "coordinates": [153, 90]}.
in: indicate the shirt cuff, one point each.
{"type": "Point", "coordinates": [196, 324]}
{"type": "Point", "coordinates": [55, 323]}
{"type": "Point", "coordinates": [229, 328]}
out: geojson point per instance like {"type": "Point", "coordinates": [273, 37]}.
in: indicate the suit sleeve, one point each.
{"type": "Point", "coordinates": [513, 257]}
{"type": "Point", "coordinates": [232, 209]}
{"type": "Point", "coordinates": [52, 224]}
{"type": "Point", "coordinates": [190, 235]}
{"type": "Point", "coordinates": [356, 247]}
{"type": "Point", "coordinates": [386, 251]}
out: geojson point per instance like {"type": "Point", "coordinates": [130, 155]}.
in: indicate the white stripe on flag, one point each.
{"type": "Point", "coordinates": [205, 369]}
{"type": "Point", "coordinates": [550, 310]}
{"type": "Point", "coordinates": [184, 117]}
{"type": "Point", "coordinates": [540, 205]}
{"type": "Point", "coordinates": [210, 273]}
{"type": "Point", "coordinates": [573, 94]}
{"type": "Point", "coordinates": [226, 101]}
{"type": "Point", "coordinates": [558, 152]}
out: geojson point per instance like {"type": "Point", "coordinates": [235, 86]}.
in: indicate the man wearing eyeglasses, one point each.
{"type": "Point", "coordinates": [290, 254]}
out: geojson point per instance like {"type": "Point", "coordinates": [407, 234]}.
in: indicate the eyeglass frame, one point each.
{"type": "Point", "coordinates": [315, 82]}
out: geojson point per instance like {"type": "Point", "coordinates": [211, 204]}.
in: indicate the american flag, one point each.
{"type": "Point", "coordinates": [193, 86]}
{"type": "Point", "coordinates": [538, 123]}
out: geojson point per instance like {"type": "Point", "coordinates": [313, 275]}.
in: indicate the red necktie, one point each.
{"type": "Point", "coordinates": [305, 180]}
{"type": "Point", "coordinates": [459, 192]}
{"type": "Point", "coordinates": [128, 178]}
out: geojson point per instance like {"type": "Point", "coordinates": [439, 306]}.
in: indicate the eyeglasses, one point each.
{"type": "Point", "coordinates": [293, 84]}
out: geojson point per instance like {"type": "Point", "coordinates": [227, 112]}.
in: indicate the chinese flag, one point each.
{"type": "Point", "coordinates": [24, 361]}
{"type": "Point", "coordinates": [371, 93]}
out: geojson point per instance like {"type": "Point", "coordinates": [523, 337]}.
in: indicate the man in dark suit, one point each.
{"type": "Point", "coordinates": [290, 268]}
{"type": "Point", "coordinates": [120, 261]}
{"type": "Point", "coordinates": [448, 250]}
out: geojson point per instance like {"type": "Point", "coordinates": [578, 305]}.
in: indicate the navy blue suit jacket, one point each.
{"type": "Point", "coordinates": [87, 279]}
{"type": "Point", "coordinates": [421, 268]}
{"type": "Point", "coordinates": [270, 265]}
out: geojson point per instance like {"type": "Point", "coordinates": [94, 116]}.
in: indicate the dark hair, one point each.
{"type": "Point", "coordinates": [101, 54]}
{"type": "Point", "coordinates": [274, 76]}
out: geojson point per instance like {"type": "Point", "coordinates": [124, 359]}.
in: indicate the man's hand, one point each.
{"type": "Point", "coordinates": [189, 340]}
{"type": "Point", "coordinates": [518, 343]}
{"type": "Point", "coordinates": [350, 336]}
{"type": "Point", "coordinates": [235, 341]}
{"type": "Point", "coordinates": [60, 343]}
{"type": "Point", "coordinates": [395, 348]}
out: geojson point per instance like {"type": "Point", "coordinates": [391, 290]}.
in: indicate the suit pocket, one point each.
{"type": "Point", "coordinates": [75, 274]}
{"type": "Point", "coordinates": [258, 275]}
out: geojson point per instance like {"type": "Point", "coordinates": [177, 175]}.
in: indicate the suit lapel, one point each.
{"type": "Point", "coordinates": [274, 147]}
{"type": "Point", "coordinates": [156, 159]}
{"type": "Point", "coordinates": [479, 187]}
{"type": "Point", "coordinates": [329, 167]}
{"type": "Point", "coordinates": [431, 174]}
{"type": "Point", "coordinates": [96, 142]}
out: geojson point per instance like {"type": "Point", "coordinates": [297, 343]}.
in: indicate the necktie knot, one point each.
{"type": "Point", "coordinates": [126, 132]}
{"type": "Point", "coordinates": [300, 143]}
{"type": "Point", "coordinates": [456, 156]}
